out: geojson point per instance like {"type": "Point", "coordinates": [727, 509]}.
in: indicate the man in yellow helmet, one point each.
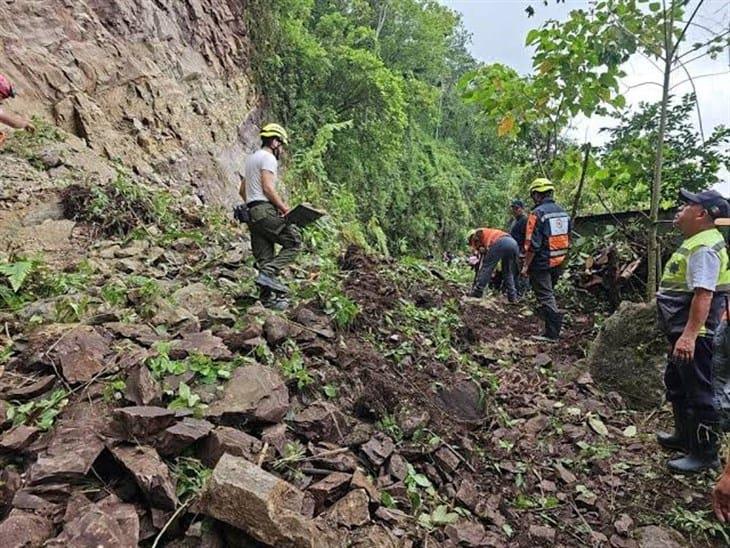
{"type": "Point", "coordinates": [547, 239]}
{"type": "Point", "coordinates": [267, 209]}
{"type": "Point", "coordinates": [690, 302]}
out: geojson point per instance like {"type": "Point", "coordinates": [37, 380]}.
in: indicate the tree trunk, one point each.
{"type": "Point", "coordinates": [576, 201]}
{"type": "Point", "coordinates": [656, 187]}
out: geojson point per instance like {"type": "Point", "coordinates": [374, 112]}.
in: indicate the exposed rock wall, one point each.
{"type": "Point", "coordinates": [162, 85]}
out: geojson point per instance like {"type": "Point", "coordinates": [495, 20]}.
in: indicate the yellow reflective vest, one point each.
{"type": "Point", "coordinates": [675, 296]}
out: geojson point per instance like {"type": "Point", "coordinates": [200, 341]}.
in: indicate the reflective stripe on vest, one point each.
{"type": "Point", "coordinates": [674, 277]}
{"type": "Point", "coordinates": [674, 290]}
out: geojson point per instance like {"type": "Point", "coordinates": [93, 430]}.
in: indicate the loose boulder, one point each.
{"type": "Point", "coordinates": [229, 440]}
{"type": "Point", "coordinates": [142, 421]}
{"type": "Point", "coordinates": [629, 354]}
{"type": "Point", "coordinates": [150, 473]}
{"type": "Point", "coordinates": [254, 392]}
{"type": "Point", "coordinates": [24, 529]}
{"type": "Point", "coordinates": [107, 523]}
{"type": "Point", "coordinates": [267, 508]}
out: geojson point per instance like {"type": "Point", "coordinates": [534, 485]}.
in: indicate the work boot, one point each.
{"type": "Point", "coordinates": [702, 445]}
{"type": "Point", "coordinates": [476, 292]}
{"type": "Point", "coordinates": [677, 440]}
{"type": "Point", "coordinates": [272, 283]}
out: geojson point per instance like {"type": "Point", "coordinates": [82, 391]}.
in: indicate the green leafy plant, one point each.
{"type": "Point", "coordinates": [330, 391]}
{"type": "Point", "coordinates": [389, 425]}
{"type": "Point", "coordinates": [190, 477]}
{"type": "Point", "coordinates": [208, 370]}
{"type": "Point", "coordinates": [161, 364]}
{"type": "Point", "coordinates": [697, 523]}
{"type": "Point", "coordinates": [114, 293]}
{"type": "Point", "coordinates": [113, 389]}
{"type": "Point", "coordinates": [186, 399]}
{"type": "Point", "coordinates": [17, 272]}
{"type": "Point", "coordinates": [416, 484]}
{"type": "Point", "coordinates": [40, 413]}
{"type": "Point", "coordinates": [294, 368]}
{"type": "Point", "coordinates": [71, 308]}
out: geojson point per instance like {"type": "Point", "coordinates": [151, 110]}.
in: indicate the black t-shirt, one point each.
{"type": "Point", "coordinates": [517, 230]}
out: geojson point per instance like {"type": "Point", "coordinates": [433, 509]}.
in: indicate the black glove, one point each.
{"type": "Point", "coordinates": [241, 213]}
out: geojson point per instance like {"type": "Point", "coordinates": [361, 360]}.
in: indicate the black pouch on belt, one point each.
{"type": "Point", "coordinates": [242, 214]}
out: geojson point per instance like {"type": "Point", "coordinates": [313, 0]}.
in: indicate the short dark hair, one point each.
{"type": "Point", "coordinates": [268, 141]}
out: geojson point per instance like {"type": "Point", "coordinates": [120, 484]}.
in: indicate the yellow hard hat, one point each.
{"type": "Point", "coordinates": [541, 185]}
{"type": "Point", "coordinates": [275, 130]}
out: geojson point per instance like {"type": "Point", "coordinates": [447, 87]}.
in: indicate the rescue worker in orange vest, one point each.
{"type": "Point", "coordinates": [547, 240]}
{"type": "Point", "coordinates": [493, 246]}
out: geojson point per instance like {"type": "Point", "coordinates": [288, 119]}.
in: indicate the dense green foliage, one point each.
{"type": "Point", "coordinates": [372, 85]}
{"type": "Point", "coordinates": [690, 162]}
{"type": "Point", "coordinates": [409, 142]}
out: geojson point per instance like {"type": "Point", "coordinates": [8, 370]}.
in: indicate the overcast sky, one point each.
{"type": "Point", "coordinates": [499, 27]}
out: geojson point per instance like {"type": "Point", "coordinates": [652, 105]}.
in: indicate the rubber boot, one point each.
{"type": "Point", "coordinates": [542, 313]}
{"type": "Point", "coordinates": [677, 440]}
{"type": "Point", "coordinates": [702, 445]}
{"type": "Point", "coordinates": [553, 325]}
{"type": "Point", "coordinates": [476, 292]}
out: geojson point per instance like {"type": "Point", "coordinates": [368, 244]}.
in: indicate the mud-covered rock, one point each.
{"type": "Point", "coordinates": [82, 353]}
{"type": "Point", "coordinates": [10, 482]}
{"type": "Point", "coordinates": [276, 329]}
{"type": "Point", "coordinates": [329, 488]}
{"type": "Point", "coordinates": [33, 389]}
{"type": "Point", "coordinates": [73, 448]}
{"type": "Point", "coordinates": [204, 343]}
{"type": "Point", "coordinates": [321, 421]}
{"type": "Point", "coordinates": [378, 449]}
{"type": "Point", "coordinates": [629, 354]}
{"type": "Point", "coordinates": [463, 400]}
{"type": "Point", "coordinates": [653, 536]}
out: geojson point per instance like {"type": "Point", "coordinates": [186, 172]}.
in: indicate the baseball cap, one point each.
{"type": "Point", "coordinates": [517, 203]}
{"type": "Point", "coordinates": [711, 200]}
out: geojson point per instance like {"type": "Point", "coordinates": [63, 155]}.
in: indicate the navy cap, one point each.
{"type": "Point", "coordinates": [517, 203]}
{"type": "Point", "coordinates": [711, 200]}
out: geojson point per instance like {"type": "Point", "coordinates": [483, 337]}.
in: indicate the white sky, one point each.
{"type": "Point", "coordinates": [499, 27]}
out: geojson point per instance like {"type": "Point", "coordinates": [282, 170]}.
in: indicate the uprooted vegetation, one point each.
{"type": "Point", "coordinates": [394, 409]}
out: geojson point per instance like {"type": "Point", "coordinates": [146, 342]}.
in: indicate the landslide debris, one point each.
{"type": "Point", "coordinates": [151, 395]}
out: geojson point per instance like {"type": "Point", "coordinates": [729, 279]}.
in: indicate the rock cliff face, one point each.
{"type": "Point", "coordinates": [161, 85]}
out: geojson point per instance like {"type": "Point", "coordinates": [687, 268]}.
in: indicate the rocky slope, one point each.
{"type": "Point", "coordinates": [162, 86]}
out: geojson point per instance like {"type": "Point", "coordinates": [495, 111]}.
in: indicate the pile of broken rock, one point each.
{"type": "Point", "coordinates": [287, 470]}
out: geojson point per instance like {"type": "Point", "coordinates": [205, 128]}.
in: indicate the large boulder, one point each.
{"type": "Point", "coordinates": [629, 355]}
{"type": "Point", "coordinates": [269, 509]}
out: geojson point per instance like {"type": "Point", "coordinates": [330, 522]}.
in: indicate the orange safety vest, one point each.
{"type": "Point", "coordinates": [487, 236]}
{"type": "Point", "coordinates": [549, 224]}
